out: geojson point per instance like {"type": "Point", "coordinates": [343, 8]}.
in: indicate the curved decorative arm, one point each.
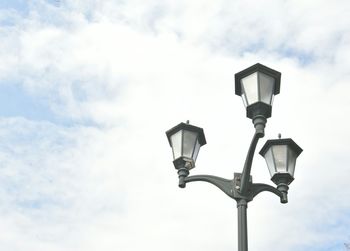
{"type": "Point", "coordinates": [257, 188]}
{"type": "Point", "coordinates": [228, 187]}
{"type": "Point", "coordinates": [224, 184]}
{"type": "Point", "coordinates": [259, 124]}
{"type": "Point", "coordinates": [248, 164]}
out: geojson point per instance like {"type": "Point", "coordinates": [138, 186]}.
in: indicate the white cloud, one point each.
{"type": "Point", "coordinates": [125, 72]}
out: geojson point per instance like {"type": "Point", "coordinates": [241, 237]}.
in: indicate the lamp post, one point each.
{"type": "Point", "coordinates": [257, 85]}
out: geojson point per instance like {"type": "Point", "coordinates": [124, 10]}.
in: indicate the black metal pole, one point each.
{"type": "Point", "coordinates": [242, 225]}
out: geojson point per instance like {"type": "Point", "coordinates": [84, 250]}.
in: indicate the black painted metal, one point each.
{"type": "Point", "coordinates": [242, 225]}
{"type": "Point", "coordinates": [257, 68]}
{"type": "Point", "coordinates": [248, 163]}
{"type": "Point", "coordinates": [259, 109]}
{"type": "Point", "coordinates": [184, 126]}
{"type": "Point", "coordinates": [271, 142]}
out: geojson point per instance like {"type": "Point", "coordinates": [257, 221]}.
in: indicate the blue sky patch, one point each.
{"type": "Point", "coordinates": [20, 6]}
{"type": "Point", "coordinates": [15, 101]}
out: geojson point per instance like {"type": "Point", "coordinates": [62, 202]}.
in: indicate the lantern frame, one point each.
{"type": "Point", "coordinates": [258, 108]}
{"type": "Point", "coordinates": [183, 161]}
{"type": "Point", "coordinates": [285, 176]}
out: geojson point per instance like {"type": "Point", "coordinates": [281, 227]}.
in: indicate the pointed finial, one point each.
{"type": "Point", "coordinates": [279, 136]}
{"type": "Point", "coordinates": [187, 121]}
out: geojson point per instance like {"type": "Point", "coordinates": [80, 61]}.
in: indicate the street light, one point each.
{"type": "Point", "coordinates": [281, 155]}
{"type": "Point", "coordinates": [257, 85]}
{"type": "Point", "coordinates": [185, 140]}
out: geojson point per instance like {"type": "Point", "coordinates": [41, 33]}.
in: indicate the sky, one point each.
{"type": "Point", "coordinates": [89, 87]}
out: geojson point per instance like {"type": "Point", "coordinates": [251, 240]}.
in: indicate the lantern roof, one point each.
{"type": "Point", "coordinates": [185, 126]}
{"type": "Point", "coordinates": [297, 149]}
{"type": "Point", "coordinates": [257, 68]}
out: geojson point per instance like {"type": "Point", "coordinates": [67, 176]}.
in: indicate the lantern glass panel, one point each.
{"type": "Point", "coordinates": [270, 162]}
{"type": "Point", "coordinates": [280, 157]}
{"type": "Point", "coordinates": [291, 161]}
{"type": "Point", "coordinates": [189, 141]}
{"type": "Point", "coordinates": [196, 150]}
{"type": "Point", "coordinates": [249, 86]}
{"type": "Point", "coordinates": [266, 86]}
{"type": "Point", "coordinates": [176, 144]}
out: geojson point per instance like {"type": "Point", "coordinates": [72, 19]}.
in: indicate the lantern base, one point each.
{"type": "Point", "coordinates": [183, 162]}
{"type": "Point", "coordinates": [183, 173]}
{"type": "Point", "coordinates": [259, 124]}
{"type": "Point", "coordinates": [259, 109]}
{"type": "Point", "coordinates": [283, 188]}
{"type": "Point", "coordinates": [282, 178]}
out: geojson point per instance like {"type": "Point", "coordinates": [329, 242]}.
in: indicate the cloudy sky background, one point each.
{"type": "Point", "coordinates": [88, 89]}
